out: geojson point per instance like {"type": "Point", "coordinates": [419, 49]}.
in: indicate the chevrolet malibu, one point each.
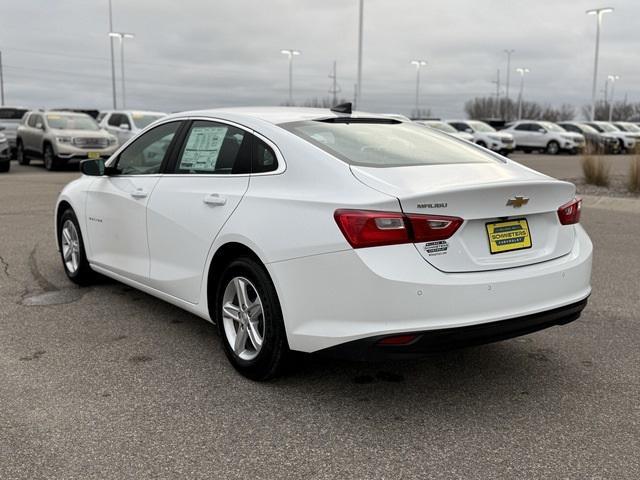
{"type": "Point", "coordinates": [328, 231]}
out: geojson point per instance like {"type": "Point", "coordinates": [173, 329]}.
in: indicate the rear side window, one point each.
{"type": "Point", "coordinates": [524, 127]}
{"type": "Point", "coordinates": [263, 158]}
{"type": "Point", "coordinates": [32, 120]}
{"type": "Point", "coordinates": [117, 119]}
{"type": "Point", "coordinates": [215, 148]}
{"type": "Point", "coordinates": [387, 144]}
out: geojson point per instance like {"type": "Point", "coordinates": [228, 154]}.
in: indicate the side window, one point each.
{"type": "Point", "coordinates": [215, 148]}
{"type": "Point", "coordinates": [117, 119]}
{"type": "Point", "coordinates": [263, 157]}
{"type": "Point", "coordinates": [32, 120]}
{"type": "Point", "coordinates": [145, 155]}
{"type": "Point", "coordinates": [523, 127]}
{"type": "Point", "coordinates": [571, 128]}
{"type": "Point", "coordinates": [459, 126]}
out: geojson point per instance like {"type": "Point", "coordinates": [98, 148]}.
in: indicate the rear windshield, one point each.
{"type": "Point", "coordinates": [71, 122]}
{"type": "Point", "coordinates": [387, 144]}
{"type": "Point", "coordinates": [12, 113]}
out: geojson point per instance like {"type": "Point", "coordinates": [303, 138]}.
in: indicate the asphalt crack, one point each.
{"type": "Point", "coordinates": [5, 266]}
{"type": "Point", "coordinates": [48, 294]}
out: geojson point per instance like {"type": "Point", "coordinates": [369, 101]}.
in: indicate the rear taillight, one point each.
{"type": "Point", "coordinates": [364, 228]}
{"type": "Point", "coordinates": [569, 213]}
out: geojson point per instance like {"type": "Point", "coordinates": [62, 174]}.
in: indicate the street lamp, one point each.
{"type": "Point", "coordinates": [612, 79]}
{"type": "Point", "coordinates": [418, 64]}
{"type": "Point", "coordinates": [290, 53]}
{"type": "Point", "coordinates": [113, 64]}
{"type": "Point", "coordinates": [358, 93]}
{"type": "Point", "coordinates": [598, 12]}
{"type": "Point", "coordinates": [522, 72]}
{"type": "Point", "coordinates": [122, 36]}
{"type": "Point", "coordinates": [509, 53]}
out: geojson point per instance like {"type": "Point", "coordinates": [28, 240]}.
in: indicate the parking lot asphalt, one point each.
{"type": "Point", "coordinates": [108, 382]}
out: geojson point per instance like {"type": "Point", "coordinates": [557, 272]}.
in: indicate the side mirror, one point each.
{"type": "Point", "coordinates": [39, 126]}
{"type": "Point", "coordinates": [125, 126]}
{"type": "Point", "coordinates": [92, 167]}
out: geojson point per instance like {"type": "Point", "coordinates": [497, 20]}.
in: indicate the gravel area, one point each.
{"type": "Point", "coordinates": [618, 187]}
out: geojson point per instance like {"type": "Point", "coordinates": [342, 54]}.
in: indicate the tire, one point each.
{"type": "Point", "coordinates": [622, 148]}
{"type": "Point", "coordinates": [255, 359]}
{"type": "Point", "coordinates": [5, 166]}
{"type": "Point", "coordinates": [553, 148]}
{"type": "Point", "coordinates": [526, 150]}
{"type": "Point", "coordinates": [21, 155]}
{"type": "Point", "coordinates": [51, 162]}
{"type": "Point", "coordinates": [481, 144]}
{"type": "Point", "coordinates": [75, 263]}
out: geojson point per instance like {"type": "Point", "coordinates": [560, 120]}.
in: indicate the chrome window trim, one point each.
{"type": "Point", "coordinates": [282, 165]}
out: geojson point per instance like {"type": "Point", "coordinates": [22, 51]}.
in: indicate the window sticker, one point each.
{"type": "Point", "coordinates": [203, 148]}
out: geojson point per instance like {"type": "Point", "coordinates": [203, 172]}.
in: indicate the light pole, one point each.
{"type": "Point", "coordinates": [290, 53]}
{"type": "Point", "coordinates": [113, 62]}
{"type": "Point", "coordinates": [598, 12]}
{"type": "Point", "coordinates": [1, 83]}
{"type": "Point", "coordinates": [418, 64]}
{"type": "Point", "coordinates": [360, 23]}
{"type": "Point", "coordinates": [522, 72]}
{"type": "Point", "coordinates": [612, 79]}
{"type": "Point", "coordinates": [509, 53]}
{"type": "Point", "coordinates": [122, 36]}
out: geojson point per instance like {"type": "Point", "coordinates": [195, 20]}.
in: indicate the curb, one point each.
{"type": "Point", "coordinates": [631, 205]}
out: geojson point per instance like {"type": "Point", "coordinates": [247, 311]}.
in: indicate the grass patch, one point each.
{"type": "Point", "coordinates": [634, 174]}
{"type": "Point", "coordinates": [596, 171]}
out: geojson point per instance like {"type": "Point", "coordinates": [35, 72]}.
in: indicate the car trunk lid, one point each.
{"type": "Point", "coordinates": [483, 195]}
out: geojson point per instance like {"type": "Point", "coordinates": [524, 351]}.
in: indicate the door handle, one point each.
{"type": "Point", "coordinates": [139, 193]}
{"type": "Point", "coordinates": [214, 199]}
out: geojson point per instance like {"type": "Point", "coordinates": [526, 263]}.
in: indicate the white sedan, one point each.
{"type": "Point", "coordinates": [328, 231]}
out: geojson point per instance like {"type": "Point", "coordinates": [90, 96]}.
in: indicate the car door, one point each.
{"type": "Point", "coordinates": [538, 135]}
{"type": "Point", "coordinates": [116, 208]}
{"type": "Point", "coordinates": [202, 187]}
{"type": "Point", "coordinates": [522, 134]}
{"type": "Point", "coordinates": [32, 137]}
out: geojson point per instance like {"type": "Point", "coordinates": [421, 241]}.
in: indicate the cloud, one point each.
{"type": "Point", "coordinates": [207, 53]}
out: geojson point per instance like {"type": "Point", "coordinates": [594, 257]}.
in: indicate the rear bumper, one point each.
{"type": "Point", "coordinates": [434, 341]}
{"type": "Point", "coordinates": [337, 298]}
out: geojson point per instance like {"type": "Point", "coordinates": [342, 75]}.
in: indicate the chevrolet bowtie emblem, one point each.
{"type": "Point", "coordinates": [517, 201]}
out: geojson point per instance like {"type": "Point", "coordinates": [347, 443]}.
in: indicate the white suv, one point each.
{"type": "Point", "coordinates": [485, 135]}
{"type": "Point", "coordinates": [553, 139]}
{"type": "Point", "coordinates": [627, 140]}
{"type": "Point", "coordinates": [124, 124]}
{"type": "Point", "coordinates": [446, 128]}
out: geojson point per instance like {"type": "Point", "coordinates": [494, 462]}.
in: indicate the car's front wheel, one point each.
{"type": "Point", "coordinates": [21, 155]}
{"type": "Point", "coordinates": [51, 161]}
{"type": "Point", "coordinates": [74, 258]}
{"type": "Point", "coordinates": [250, 320]}
{"type": "Point", "coordinates": [553, 147]}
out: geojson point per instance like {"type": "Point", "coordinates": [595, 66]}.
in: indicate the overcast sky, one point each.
{"type": "Point", "coordinates": [192, 54]}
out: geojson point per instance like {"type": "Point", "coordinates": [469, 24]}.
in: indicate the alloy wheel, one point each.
{"type": "Point", "coordinates": [243, 318]}
{"type": "Point", "coordinates": [70, 246]}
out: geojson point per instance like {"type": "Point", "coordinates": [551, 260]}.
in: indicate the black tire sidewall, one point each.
{"type": "Point", "coordinates": [274, 349]}
{"type": "Point", "coordinates": [21, 153]}
{"type": "Point", "coordinates": [53, 164]}
{"type": "Point", "coordinates": [84, 275]}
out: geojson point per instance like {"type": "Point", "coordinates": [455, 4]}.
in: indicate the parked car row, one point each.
{"type": "Point", "coordinates": [549, 137]}
{"type": "Point", "coordinates": [60, 136]}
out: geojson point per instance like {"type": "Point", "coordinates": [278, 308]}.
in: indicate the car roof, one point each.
{"type": "Point", "coordinates": [274, 115]}
{"type": "Point", "coordinates": [133, 112]}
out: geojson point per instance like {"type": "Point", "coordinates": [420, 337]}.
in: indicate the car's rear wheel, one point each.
{"type": "Point", "coordinates": [72, 251]}
{"type": "Point", "coordinates": [622, 148]}
{"type": "Point", "coordinates": [5, 166]}
{"type": "Point", "coordinates": [51, 161]}
{"type": "Point", "coordinates": [553, 147]}
{"type": "Point", "coordinates": [21, 155]}
{"type": "Point", "coordinates": [250, 320]}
